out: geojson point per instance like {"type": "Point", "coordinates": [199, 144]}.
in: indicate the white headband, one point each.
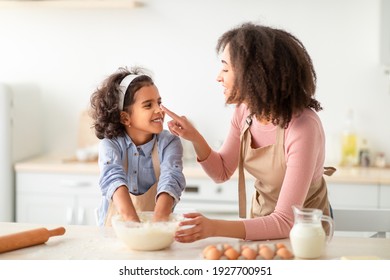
{"type": "Point", "coordinates": [123, 87]}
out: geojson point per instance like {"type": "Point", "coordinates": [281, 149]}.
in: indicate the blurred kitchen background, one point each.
{"type": "Point", "coordinates": [64, 51]}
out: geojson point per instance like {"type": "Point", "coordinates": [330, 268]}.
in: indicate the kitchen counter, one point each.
{"type": "Point", "coordinates": [361, 175]}
{"type": "Point", "coordinates": [94, 243]}
{"type": "Point", "coordinates": [62, 164]}
{"type": "Point", "coordinates": [54, 163]}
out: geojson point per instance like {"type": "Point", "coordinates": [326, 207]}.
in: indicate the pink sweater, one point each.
{"type": "Point", "coordinates": [304, 152]}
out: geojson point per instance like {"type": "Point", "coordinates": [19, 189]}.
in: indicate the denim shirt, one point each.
{"type": "Point", "coordinates": [139, 176]}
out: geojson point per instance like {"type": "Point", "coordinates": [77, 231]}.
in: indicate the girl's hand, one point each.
{"type": "Point", "coordinates": [124, 205]}
{"type": "Point", "coordinates": [131, 218]}
{"type": "Point", "coordinates": [195, 228]}
{"type": "Point", "coordinates": [160, 218]}
{"type": "Point", "coordinates": [163, 208]}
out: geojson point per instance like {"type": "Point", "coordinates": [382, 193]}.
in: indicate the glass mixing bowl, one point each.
{"type": "Point", "coordinates": [146, 235]}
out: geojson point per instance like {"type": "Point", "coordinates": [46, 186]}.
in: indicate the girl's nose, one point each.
{"type": "Point", "coordinates": [158, 110]}
{"type": "Point", "coordinates": [219, 78]}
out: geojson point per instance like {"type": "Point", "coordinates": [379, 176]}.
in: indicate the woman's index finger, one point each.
{"type": "Point", "coordinates": [170, 113]}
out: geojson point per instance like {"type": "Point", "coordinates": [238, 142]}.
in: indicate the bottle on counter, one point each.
{"type": "Point", "coordinates": [364, 154]}
{"type": "Point", "coordinates": [380, 160]}
{"type": "Point", "coordinates": [349, 150]}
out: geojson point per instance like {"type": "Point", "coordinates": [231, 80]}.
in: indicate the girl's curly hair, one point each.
{"type": "Point", "coordinates": [274, 74]}
{"type": "Point", "coordinates": [105, 110]}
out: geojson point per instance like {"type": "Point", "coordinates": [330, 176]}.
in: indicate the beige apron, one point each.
{"type": "Point", "coordinates": [145, 201]}
{"type": "Point", "coordinates": [268, 165]}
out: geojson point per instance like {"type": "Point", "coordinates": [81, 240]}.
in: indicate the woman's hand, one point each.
{"type": "Point", "coordinates": [195, 228]}
{"type": "Point", "coordinates": [199, 227]}
{"type": "Point", "coordinates": [182, 127]}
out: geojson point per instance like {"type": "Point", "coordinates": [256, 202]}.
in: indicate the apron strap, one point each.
{"type": "Point", "coordinates": [156, 161]}
{"type": "Point", "coordinates": [241, 176]}
{"type": "Point", "coordinates": [329, 170]}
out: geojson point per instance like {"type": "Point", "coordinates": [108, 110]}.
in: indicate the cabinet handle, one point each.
{"type": "Point", "coordinates": [69, 215]}
{"type": "Point", "coordinates": [191, 189]}
{"type": "Point", "coordinates": [80, 216]}
{"type": "Point", "coordinates": [74, 184]}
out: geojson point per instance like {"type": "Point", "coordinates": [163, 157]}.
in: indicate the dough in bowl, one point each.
{"type": "Point", "coordinates": [146, 235]}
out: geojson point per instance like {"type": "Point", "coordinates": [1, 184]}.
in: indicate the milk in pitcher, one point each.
{"type": "Point", "coordinates": [307, 240]}
{"type": "Point", "coordinates": [307, 236]}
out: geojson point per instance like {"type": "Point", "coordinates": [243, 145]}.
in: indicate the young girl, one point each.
{"type": "Point", "coordinates": [140, 163]}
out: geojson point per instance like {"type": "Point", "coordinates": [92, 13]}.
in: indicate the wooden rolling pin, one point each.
{"type": "Point", "coordinates": [27, 238]}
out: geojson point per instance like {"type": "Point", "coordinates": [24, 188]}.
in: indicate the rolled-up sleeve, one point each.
{"type": "Point", "coordinates": [172, 180]}
{"type": "Point", "coordinates": [112, 175]}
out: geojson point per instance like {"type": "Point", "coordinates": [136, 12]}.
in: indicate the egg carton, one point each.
{"type": "Point", "coordinates": [277, 251]}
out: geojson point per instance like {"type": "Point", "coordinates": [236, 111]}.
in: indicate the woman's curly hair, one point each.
{"type": "Point", "coordinates": [105, 110]}
{"type": "Point", "coordinates": [274, 74]}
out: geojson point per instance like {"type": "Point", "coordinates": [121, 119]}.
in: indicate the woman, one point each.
{"type": "Point", "coordinates": [275, 134]}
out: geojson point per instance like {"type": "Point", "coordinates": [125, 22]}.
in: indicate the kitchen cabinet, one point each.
{"type": "Point", "coordinates": [360, 188]}
{"type": "Point", "coordinates": [360, 201]}
{"type": "Point", "coordinates": [44, 197]}
{"type": "Point", "coordinates": [355, 196]}
{"type": "Point", "coordinates": [348, 195]}
{"type": "Point", "coordinates": [51, 190]}
{"type": "Point", "coordinates": [384, 197]}
{"type": "Point", "coordinates": [63, 198]}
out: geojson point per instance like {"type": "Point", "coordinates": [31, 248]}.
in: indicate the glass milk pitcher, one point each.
{"type": "Point", "coordinates": [307, 236]}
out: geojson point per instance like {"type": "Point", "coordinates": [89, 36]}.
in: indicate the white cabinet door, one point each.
{"type": "Point", "coordinates": [384, 197]}
{"type": "Point", "coordinates": [56, 198]}
{"type": "Point", "coordinates": [86, 209]}
{"type": "Point", "coordinates": [45, 209]}
{"type": "Point", "coordinates": [353, 195]}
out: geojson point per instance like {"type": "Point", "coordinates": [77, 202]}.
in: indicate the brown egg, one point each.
{"type": "Point", "coordinates": [279, 245]}
{"type": "Point", "coordinates": [213, 254]}
{"type": "Point", "coordinates": [284, 253]}
{"type": "Point", "coordinates": [264, 245]}
{"type": "Point", "coordinates": [267, 253]}
{"type": "Point", "coordinates": [231, 254]}
{"type": "Point", "coordinates": [206, 249]}
{"type": "Point", "coordinates": [251, 246]}
{"type": "Point", "coordinates": [227, 246]}
{"type": "Point", "coordinates": [249, 253]}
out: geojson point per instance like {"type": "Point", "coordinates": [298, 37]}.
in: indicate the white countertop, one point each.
{"type": "Point", "coordinates": [63, 164]}
{"type": "Point", "coordinates": [94, 243]}
{"type": "Point", "coordinates": [58, 164]}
